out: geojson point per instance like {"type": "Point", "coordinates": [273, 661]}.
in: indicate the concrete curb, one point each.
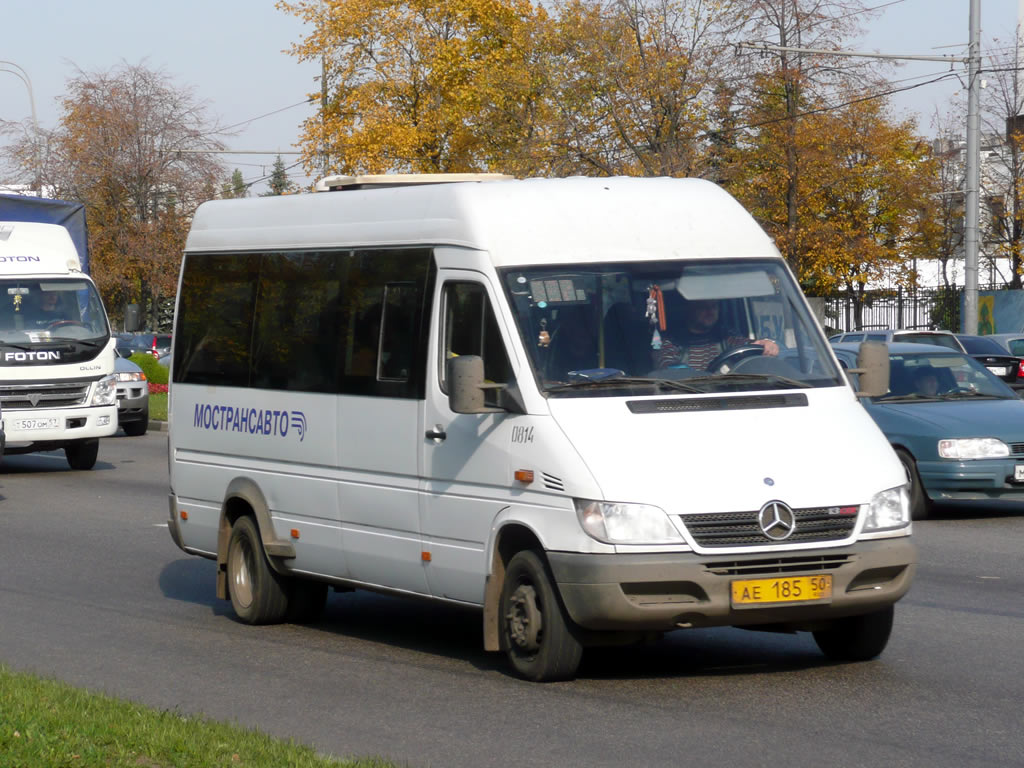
{"type": "Point", "coordinates": [157, 426]}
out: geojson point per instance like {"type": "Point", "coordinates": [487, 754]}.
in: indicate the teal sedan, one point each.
{"type": "Point", "coordinates": [957, 428]}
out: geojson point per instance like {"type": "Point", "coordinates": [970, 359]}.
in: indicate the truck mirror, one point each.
{"type": "Point", "coordinates": [466, 385]}
{"type": "Point", "coordinates": [873, 367]}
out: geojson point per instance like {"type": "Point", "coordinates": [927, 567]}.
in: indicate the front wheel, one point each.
{"type": "Point", "coordinates": [920, 504]}
{"type": "Point", "coordinates": [82, 455]}
{"type": "Point", "coordinates": [258, 593]}
{"type": "Point", "coordinates": [856, 638]}
{"type": "Point", "coordinates": [536, 633]}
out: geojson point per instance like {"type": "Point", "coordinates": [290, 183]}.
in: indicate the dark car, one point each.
{"type": "Point", "coordinates": [958, 430]}
{"type": "Point", "coordinates": [993, 356]}
{"type": "Point", "coordinates": [154, 344]}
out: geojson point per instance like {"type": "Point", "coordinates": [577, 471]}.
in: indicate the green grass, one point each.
{"type": "Point", "coordinates": [44, 723]}
{"type": "Point", "coordinates": [158, 406]}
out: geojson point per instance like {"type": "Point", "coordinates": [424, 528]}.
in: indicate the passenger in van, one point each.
{"type": "Point", "coordinates": [702, 338]}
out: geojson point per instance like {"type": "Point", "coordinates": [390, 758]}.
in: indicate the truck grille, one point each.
{"type": "Point", "coordinates": [740, 529]}
{"type": "Point", "coordinates": [31, 396]}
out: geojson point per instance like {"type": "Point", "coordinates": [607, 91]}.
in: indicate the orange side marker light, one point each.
{"type": "Point", "coordinates": [295, 533]}
{"type": "Point", "coordinates": [425, 557]}
{"type": "Point", "coordinates": [184, 514]}
{"type": "Point", "coordinates": [524, 476]}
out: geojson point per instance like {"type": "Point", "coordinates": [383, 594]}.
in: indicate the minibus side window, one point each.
{"type": "Point", "coordinates": [470, 328]}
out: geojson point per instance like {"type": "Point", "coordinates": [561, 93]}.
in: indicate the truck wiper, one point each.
{"type": "Point", "coordinates": [617, 382]}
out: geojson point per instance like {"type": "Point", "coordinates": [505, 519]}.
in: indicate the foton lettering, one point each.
{"type": "Point", "coordinates": [24, 357]}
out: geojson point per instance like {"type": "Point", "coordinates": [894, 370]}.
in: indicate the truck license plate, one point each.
{"type": "Point", "coordinates": [790, 589]}
{"type": "Point", "coordinates": [27, 424]}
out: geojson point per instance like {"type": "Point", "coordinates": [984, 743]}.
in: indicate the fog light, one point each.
{"type": "Point", "coordinates": [102, 421]}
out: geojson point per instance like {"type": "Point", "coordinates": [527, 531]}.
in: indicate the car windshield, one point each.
{"type": "Point", "coordinates": [34, 311]}
{"type": "Point", "coordinates": [608, 329]}
{"type": "Point", "coordinates": [941, 377]}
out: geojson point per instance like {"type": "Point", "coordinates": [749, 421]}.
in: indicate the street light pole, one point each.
{"type": "Point", "coordinates": [969, 322]}
{"type": "Point", "coordinates": [23, 76]}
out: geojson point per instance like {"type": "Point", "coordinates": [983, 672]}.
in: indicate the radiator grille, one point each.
{"type": "Point", "coordinates": [35, 395]}
{"type": "Point", "coordinates": [740, 529]}
{"type": "Point", "coordinates": [777, 565]}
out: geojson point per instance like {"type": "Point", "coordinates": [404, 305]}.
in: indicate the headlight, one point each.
{"type": "Point", "coordinates": [105, 392]}
{"type": "Point", "coordinates": [888, 509]}
{"type": "Point", "coordinates": [131, 376]}
{"type": "Point", "coordinates": [625, 523]}
{"type": "Point", "coordinates": [973, 448]}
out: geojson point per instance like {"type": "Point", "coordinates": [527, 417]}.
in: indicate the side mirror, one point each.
{"type": "Point", "coordinates": [466, 385]}
{"type": "Point", "coordinates": [873, 367]}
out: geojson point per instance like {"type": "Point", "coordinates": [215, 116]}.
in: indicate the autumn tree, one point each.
{"type": "Point", "coordinates": [132, 146]}
{"type": "Point", "coordinates": [1002, 186]}
{"type": "Point", "coordinates": [633, 81]}
{"type": "Point", "coordinates": [421, 86]}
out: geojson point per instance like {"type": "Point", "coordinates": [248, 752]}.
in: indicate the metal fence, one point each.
{"type": "Point", "coordinates": [920, 308]}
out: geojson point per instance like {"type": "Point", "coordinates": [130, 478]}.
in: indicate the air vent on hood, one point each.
{"type": "Point", "coordinates": [740, 403]}
{"type": "Point", "coordinates": [551, 482]}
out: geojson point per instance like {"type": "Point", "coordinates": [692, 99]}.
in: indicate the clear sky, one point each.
{"type": "Point", "coordinates": [232, 53]}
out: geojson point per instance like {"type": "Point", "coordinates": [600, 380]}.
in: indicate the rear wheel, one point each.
{"type": "Point", "coordinates": [82, 455]}
{"type": "Point", "coordinates": [856, 638]}
{"type": "Point", "coordinates": [920, 504]}
{"type": "Point", "coordinates": [536, 633]}
{"type": "Point", "coordinates": [258, 593]}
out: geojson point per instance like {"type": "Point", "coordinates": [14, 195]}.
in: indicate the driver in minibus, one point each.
{"type": "Point", "coordinates": [703, 338]}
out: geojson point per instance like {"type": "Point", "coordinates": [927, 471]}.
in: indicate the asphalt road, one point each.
{"type": "Point", "coordinates": [93, 592]}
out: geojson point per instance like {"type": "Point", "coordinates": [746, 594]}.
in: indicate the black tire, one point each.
{"type": "Point", "coordinates": [258, 593]}
{"type": "Point", "coordinates": [82, 455]}
{"type": "Point", "coordinates": [856, 638]}
{"type": "Point", "coordinates": [306, 601]}
{"type": "Point", "coordinates": [137, 428]}
{"type": "Point", "coordinates": [920, 504]}
{"type": "Point", "coordinates": [536, 633]}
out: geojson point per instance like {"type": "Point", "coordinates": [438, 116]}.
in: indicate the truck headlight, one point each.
{"type": "Point", "coordinates": [615, 523]}
{"type": "Point", "coordinates": [973, 448]}
{"type": "Point", "coordinates": [105, 391]}
{"type": "Point", "coordinates": [888, 509]}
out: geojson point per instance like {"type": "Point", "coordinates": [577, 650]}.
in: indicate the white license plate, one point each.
{"type": "Point", "coordinates": [999, 370]}
{"type": "Point", "coordinates": [26, 424]}
{"type": "Point", "coordinates": [1018, 473]}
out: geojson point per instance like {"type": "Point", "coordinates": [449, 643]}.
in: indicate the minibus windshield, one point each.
{"type": "Point", "coordinates": [37, 311]}
{"type": "Point", "coordinates": [607, 329]}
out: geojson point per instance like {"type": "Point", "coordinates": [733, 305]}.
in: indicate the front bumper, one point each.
{"type": "Point", "coordinates": [55, 426]}
{"type": "Point", "coordinates": [660, 592]}
{"type": "Point", "coordinates": [967, 480]}
{"type": "Point", "coordinates": [132, 401]}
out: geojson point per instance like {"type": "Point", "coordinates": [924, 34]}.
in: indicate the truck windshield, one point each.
{"type": "Point", "coordinates": [667, 326]}
{"type": "Point", "coordinates": [35, 311]}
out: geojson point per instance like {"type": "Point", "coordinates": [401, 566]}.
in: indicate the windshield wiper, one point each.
{"type": "Point", "coordinates": [738, 377]}
{"type": "Point", "coordinates": [617, 382]}
{"type": "Point", "coordinates": [967, 394]}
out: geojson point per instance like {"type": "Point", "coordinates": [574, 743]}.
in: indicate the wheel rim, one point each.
{"type": "Point", "coordinates": [524, 619]}
{"type": "Point", "coordinates": [241, 575]}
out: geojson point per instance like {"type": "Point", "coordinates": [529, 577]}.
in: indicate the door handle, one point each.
{"type": "Point", "coordinates": [437, 433]}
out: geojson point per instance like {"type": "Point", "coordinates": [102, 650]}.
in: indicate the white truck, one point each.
{"type": "Point", "coordinates": [58, 388]}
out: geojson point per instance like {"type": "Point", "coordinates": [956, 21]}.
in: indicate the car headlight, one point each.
{"type": "Point", "coordinates": [105, 391]}
{"type": "Point", "coordinates": [888, 509]}
{"type": "Point", "coordinates": [973, 448]}
{"type": "Point", "coordinates": [131, 376]}
{"type": "Point", "coordinates": [615, 523]}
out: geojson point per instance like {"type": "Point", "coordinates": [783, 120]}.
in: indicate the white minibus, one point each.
{"type": "Point", "coordinates": [494, 393]}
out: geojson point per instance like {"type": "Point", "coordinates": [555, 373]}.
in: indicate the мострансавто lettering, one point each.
{"type": "Point", "coordinates": [252, 421]}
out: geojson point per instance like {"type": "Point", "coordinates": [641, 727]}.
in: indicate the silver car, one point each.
{"type": "Point", "coordinates": [132, 397]}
